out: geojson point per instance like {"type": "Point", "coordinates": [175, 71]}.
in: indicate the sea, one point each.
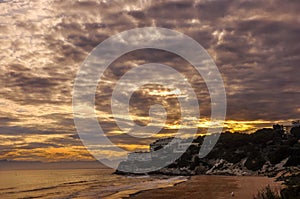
{"type": "Point", "coordinates": [77, 183]}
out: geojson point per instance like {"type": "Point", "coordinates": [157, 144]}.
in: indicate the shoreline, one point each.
{"type": "Point", "coordinates": [145, 191]}
{"type": "Point", "coordinates": [151, 185]}
{"type": "Point", "coordinates": [210, 187]}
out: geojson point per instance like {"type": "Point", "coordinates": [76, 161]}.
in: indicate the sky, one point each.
{"type": "Point", "coordinates": [43, 43]}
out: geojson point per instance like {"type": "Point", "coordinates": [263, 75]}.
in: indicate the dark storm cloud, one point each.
{"type": "Point", "coordinates": [17, 130]}
{"type": "Point", "coordinates": [212, 10]}
{"type": "Point", "coordinates": [127, 139]}
{"type": "Point", "coordinates": [35, 145]}
{"type": "Point", "coordinates": [7, 120]}
{"type": "Point", "coordinates": [139, 15]}
{"type": "Point", "coordinates": [172, 10]}
{"type": "Point", "coordinates": [30, 89]}
{"type": "Point", "coordinates": [70, 140]}
{"type": "Point", "coordinates": [33, 83]}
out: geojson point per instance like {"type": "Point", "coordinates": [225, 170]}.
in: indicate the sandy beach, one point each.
{"type": "Point", "coordinates": [213, 187]}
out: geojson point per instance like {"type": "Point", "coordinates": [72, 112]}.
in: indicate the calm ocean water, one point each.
{"type": "Point", "coordinates": [76, 183]}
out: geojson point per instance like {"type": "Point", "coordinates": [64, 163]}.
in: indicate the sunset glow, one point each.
{"type": "Point", "coordinates": [43, 44]}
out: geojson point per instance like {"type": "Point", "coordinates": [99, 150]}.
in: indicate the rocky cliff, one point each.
{"type": "Point", "coordinates": [266, 152]}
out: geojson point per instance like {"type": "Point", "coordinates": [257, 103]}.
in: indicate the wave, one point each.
{"type": "Point", "coordinates": [78, 182]}
{"type": "Point", "coordinates": [90, 184]}
{"type": "Point", "coordinates": [155, 184]}
{"type": "Point", "coordinates": [7, 190]}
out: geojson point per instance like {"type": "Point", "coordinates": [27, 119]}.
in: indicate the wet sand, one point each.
{"type": "Point", "coordinates": [213, 187]}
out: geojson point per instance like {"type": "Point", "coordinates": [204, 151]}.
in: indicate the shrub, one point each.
{"type": "Point", "coordinates": [296, 132]}
{"type": "Point", "coordinates": [267, 193]}
{"type": "Point", "coordinates": [292, 190]}
{"type": "Point", "coordinates": [254, 163]}
{"type": "Point", "coordinates": [280, 154]}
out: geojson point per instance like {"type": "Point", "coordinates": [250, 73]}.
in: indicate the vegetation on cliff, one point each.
{"type": "Point", "coordinates": [264, 152]}
{"type": "Point", "coordinates": [255, 152]}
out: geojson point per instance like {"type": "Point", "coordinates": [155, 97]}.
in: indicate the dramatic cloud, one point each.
{"type": "Point", "coordinates": [43, 43]}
